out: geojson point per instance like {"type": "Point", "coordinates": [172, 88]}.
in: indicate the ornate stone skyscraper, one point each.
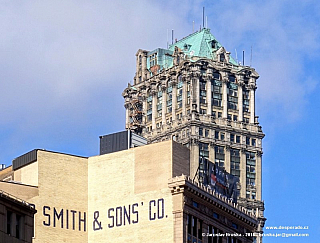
{"type": "Point", "coordinates": [195, 93]}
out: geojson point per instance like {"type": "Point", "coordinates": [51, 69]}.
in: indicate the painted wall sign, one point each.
{"type": "Point", "coordinates": [116, 216]}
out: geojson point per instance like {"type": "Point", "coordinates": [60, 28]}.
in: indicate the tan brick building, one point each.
{"type": "Point", "coordinates": [142, 194]}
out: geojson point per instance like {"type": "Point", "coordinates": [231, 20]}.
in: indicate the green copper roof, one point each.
{"type": "Point", "coordinates": [199, 44]}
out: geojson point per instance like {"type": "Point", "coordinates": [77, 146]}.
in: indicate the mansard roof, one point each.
{"type": "Point", "coordinates": [200, 44]}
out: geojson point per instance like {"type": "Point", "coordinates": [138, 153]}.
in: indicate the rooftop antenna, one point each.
{"type": "Point", "coordinates": [207, 22]}
{"type": "Point", "coordinates": [251, 57]}
{"type": "Point", "coordinates": [167, 38]}
{"type": "Point", "coordinates": [172, 37]}
{"type": "Point", "coordinates": [203, 17]}
{"type": "Point", "coordinates": [243, 57]}
{"type": "Point", "coordinates": [193, 26]}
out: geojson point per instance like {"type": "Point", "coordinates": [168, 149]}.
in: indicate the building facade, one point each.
{"type": "Point", "coordinates": [16, 219]}
{"type": "Point", "coordinates": [142, 194]}
{"type": "Point", "coordinates": [195, 93]}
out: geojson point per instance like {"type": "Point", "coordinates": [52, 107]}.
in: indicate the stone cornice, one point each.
{"type": "Point", "coordinates": [182, 184]}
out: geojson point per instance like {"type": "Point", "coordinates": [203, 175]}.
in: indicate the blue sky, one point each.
{"type": "Point", "coordinates": [64, 65]}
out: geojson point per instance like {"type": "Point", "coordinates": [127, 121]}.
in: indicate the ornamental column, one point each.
{"type": "Point", "coordinates": [252, 88]}
{"type": "Point", "coordinates": [227, 159]}
{"type": "Point", "coordinates": [195, 75]}
{"type": "Point", "coordinates": [258, 174]}
{"type": "Point", "coordinates": [225, 97]}
{"type": "Point", "coordinates": [209, 93]}
{"type": "Point", "coordinates": [243, 173]}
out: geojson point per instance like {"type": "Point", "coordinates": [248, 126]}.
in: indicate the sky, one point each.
{"type": "Point", "coordinates": [64, 65]}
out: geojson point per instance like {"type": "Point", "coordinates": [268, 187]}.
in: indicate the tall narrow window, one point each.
{"type": "Point", "coordinates": [219, 156]}
{"type": "Point", "coordinates": [251, 168]}
{"type": "Point", "coordinates": [203, 91]}
{"type": "Point", "coordinates": [179, 92]}
{"type": "Point", "coordinates": [235, 162]}
{"type": "Point", "coordinates": [216, 87]}
{"type": "Point", "coordinates": [18, 225]}
{"type": "Point", "coordinates": [169, 97]}
{"type": "Point", "coordinates": [245, 100]}
{"type": "Point", "coordinates": [204, 150]}
{"type": "Point", "coordinates": [232, 96]}
{"type": "Point", "coordinates": [188, 93]}
{"type": "Point", "coordinates": [159, 102]}
{"type": "Point", "coordinates": [149, 107]}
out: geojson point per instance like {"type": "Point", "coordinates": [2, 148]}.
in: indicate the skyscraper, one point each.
{"type": "Point", "coordinates": [195, 93]}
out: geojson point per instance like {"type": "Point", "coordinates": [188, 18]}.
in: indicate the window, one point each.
{"type": "Point", "coordinates": [235, 162]}
{"type": "Point", "coordinates": [245, 100]}
{"type": "Point", "coordinates": [203, 91]}
{"type": "Point", "coordinates": [232, 138]}
{"type": "Point", "coordinates": [195, 204]}
{"type": "Point", "coordinates": [222, 57]}
{"type": "Point", "coordinates": [169, 97]}
{"type": "Point", "coordinates": [222, 136]}
{"type": "Point", "coordinates": [153, 60]}
{"type": "Point", "coordinates": [219, 155]}
{"type": "Point", "coordinates": [219, 114]}
{"type": "Point", "coordinates": [237, 139]}
{"type": "Point", "coordinates": [188, 94]}
{"type": "Point", "coordinates": [247, 141]}
{"type": "Point", "coordinates": [214, 235]}
{"type": "Point", "coordinates": [149, 107]}
{"type": "Point", "coordinates": [253, 142]}
{"type": "Point", "coordinates": [179, 92]}
{"type": "Point", "coordinates": [206, 133]}
{"type": "Point", "coordinates": [200, 131]}
{"type": "Point", "coordinates": [216, 135]}
{"type": "Point", "coordinates": [235, 118]}
{"type": "Point", "coordinates": [203, 111]}
{"type": "Point", "coordinates": [250, 168]}
{"type": "Point", "coordinates": [159, 102]}
{"type": "Point", "coordinates": [204, 150]}
{"type": "Point", "coordinates": [18, 225]}
{"type": "Point", "coordinates": [194, 226]}
{"type": "Point", "coordinates": [216, 87]}
{"type": "Point", "coordinates": [232, 96]}
{"type": "Point", "coordinates": [234, 226]}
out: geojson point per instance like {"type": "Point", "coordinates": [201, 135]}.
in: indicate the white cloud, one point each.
{"type": "Point", "coordinates": [62, 63]}
{"type": "Point", "coordinates": [283, 37]}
